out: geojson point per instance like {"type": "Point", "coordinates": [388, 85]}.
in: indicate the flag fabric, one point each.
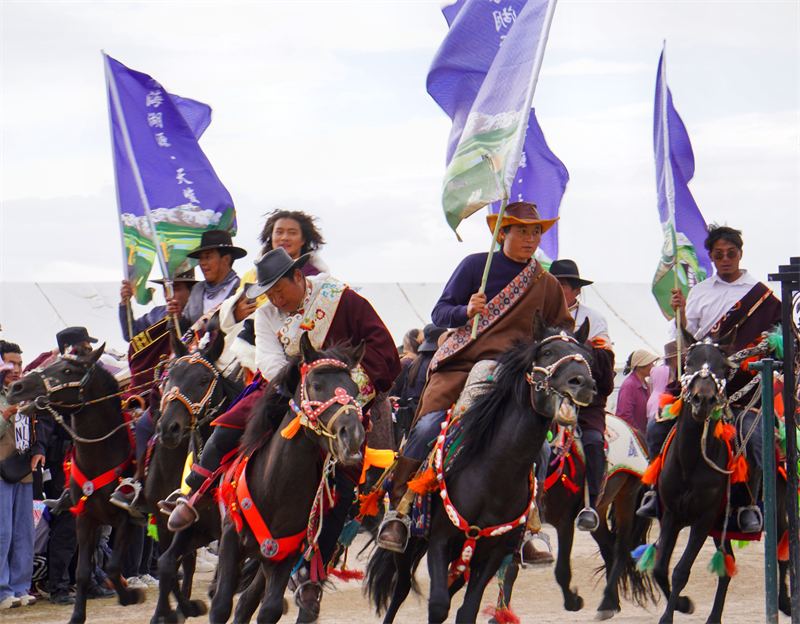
{"type": "Point", "coordinates": [157, 133]}
{"type": "Point", "coordinates": [484, 76]}
{"type": "Point", "coordinates": [681, 220]}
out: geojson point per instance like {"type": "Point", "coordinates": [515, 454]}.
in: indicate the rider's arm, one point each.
{"type": "Point", "coordinates": [270, 356]}
{"type": "Point", "coordinates": [451, 309]}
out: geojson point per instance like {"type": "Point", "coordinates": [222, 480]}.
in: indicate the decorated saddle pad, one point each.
{"type": "Point", "coordinates": [625, 452]}
{"type": "Point", "coordinates": [481, 373]}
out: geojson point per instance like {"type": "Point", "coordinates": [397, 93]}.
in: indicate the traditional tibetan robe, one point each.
{"type": "Point", "coordinates": [515, 291]}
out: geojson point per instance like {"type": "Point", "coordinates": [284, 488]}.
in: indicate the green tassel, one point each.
{"type": "Point", "coordinates": [716, 414]}
{"type": "Point", "coordinates": [549, 436]}
{"type": "Point", "coordinates": [781, 437]}
{"type": "Point", "coordinates": [349, 533]}
{"type": "Point", "coordinates": [739, 543]}
{"type": "Point", "coordinates": [717, 564]}
{"type": "Point", "coordinates": [775, 342]}
{"type": "Point", "coordinates": [647, 562]}
{"type": "Point", "coordinates": [152, 528]}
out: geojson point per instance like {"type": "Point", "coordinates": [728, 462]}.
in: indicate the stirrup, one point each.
{"type": "Point", "coordinates": [174, 497]}
{"type": "Point", "coordinates": [130, 507]}
{"type": "Point", "coordinates": [300, 587]}
{"type": "Point", "coordinates": [529, 536]}
{"type": "Point", "coordinates": [596, 520]}
{"type": "Point", "coordinates": [757, 511]}
{"type": "Point", "coordinates": [393, 516]}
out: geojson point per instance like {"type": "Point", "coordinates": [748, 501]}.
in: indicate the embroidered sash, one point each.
{"type": "Point", "coordinates": [494, 310]}
{"type": "Point", "coordinates": [740, 311]}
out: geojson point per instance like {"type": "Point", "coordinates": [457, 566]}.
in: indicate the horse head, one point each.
{"type": "Point", "coordinates": [326, 397]}
{"type": "Point", "coordinates": [191, 390]}
{"type": "Point", "coordinates": [705, 374]}
{"type": "Point", "coordinates": [561, 374]}
{"type": "Point", "coordinates": [62, 384]}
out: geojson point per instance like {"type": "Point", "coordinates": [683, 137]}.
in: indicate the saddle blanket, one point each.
{"type": "Point", "coordinates": [625, 452]}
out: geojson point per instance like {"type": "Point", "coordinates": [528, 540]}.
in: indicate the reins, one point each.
{"type": "Point", "coordinates": [544, 385]}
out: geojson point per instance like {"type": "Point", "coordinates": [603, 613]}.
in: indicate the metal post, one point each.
{"type": "Point", "coordinates": [789, 276]}
{"type": "Point", "coordinates": [770, 515]}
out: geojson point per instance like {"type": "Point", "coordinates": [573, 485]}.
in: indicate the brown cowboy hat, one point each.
{"type": "Point", "coordinates": [521, 213]}
{"type": "Point", "coordinates": [217, 239]}
{"type": "Point", "coordinates": [187, 276]}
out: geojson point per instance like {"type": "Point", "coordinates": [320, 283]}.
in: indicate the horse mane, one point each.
{"type": "Point", "coordinates": [110, 386]}
{"type": "Point", "coordinates": [269, 411]}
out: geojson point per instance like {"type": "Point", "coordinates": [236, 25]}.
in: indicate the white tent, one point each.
{"type": "Point", "coordinates": [32, 313]}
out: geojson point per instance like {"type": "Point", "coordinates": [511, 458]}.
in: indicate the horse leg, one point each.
{"type": "Point", "coordinates": [187, 555]}
{"type": "Point", "coordinates": [722, 589]}
{"type": "Point", "coordinates": [230, 556]}
{"type": "Point", "coordinates": [86, 531]}
{"type": "Point", "coordinates": [168, 564]}
{"type": "Point", "coordinates": [624, 508]}
{"type": "Point", "coordinates": [274, 604]}
{"type": "Point", "coordinates": [189, 564]}
{"type": "Point", "coordinates": [126, 595]}
{"type": "Point", "coordinates": [512, 572]}
{"type": "Point", "coordinates": [666, 544]}
{"type": "Point", "coordinates": [248, 601]}
{"type": "Point", "coordinates": [439, 600]}
{"type": "Point", "coordinates": [479, 577]}
{"type": "Point", "coordinates": [683, 569]}
{"type": "Point", "coordinates": [402, 581]}
{"type": "Point", "coordinates": [566, 535]}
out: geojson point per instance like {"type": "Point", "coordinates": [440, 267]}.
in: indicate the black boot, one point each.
{"type": "Point", "coordinates": [749, 518]}
{"type": "Point", "coordinates": [649, 506]}
{"type": "Point", "coordinates": [394, 530]}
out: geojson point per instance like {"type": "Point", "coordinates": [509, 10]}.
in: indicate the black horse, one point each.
{"type": "Point", "coordinates": [193, 393]}
{"type": "Point", "coordinates": [489, 480]}
{"type": "Point", "coordinates": [78, 390]}
{"type": "Point", "coordinates": [283, 475]}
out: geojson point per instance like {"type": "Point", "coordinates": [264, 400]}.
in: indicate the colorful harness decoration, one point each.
{"type": "Point", "coordinates": [175, 394]}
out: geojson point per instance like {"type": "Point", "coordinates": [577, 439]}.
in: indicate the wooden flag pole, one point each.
{"type": "Point", "coordinates": [489, 263]}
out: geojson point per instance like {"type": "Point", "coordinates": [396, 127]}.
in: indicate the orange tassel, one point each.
{"type": "Point", "coordinates": [783, 547]}
{"type": "Point", "coordinates": [425, 483]}
{"type": "Point", "coordinates": [718, 430]}
{"type": "Point", "coordinates": [676, 407]}
{"type": "Point", "coordinates": [739, 468]}
{"type": "Point", "coordinates": [369, 503]}
{"type": "Point", "coordinates": [653, 470]}
{"type": "Point", "coordinates": [665, 399]}
{"type": "Point", "coordinates": [730, 566]}
{"type": "Point", "coordinates": [292, 428]}
{"type": "Point", "coordinates": [728, 432]}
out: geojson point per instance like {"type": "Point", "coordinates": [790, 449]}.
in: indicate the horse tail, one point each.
{"type": "Point", "coordinates": [380, 579]}
{"type": "Point", "coordinates": [636, 585]}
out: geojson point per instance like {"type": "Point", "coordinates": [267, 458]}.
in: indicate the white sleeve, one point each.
{"type": "Point", "coordinates": [270, 356]}
{"type": "Point", "coordinates": [227, 320]}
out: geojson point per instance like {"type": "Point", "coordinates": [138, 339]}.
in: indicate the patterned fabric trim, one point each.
{"type": "Point", "coordinates": [495, 309]}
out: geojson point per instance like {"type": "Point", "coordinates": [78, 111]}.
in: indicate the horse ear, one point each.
{"type": "Point", "coordinates": [582, 335]}
{"type": "Point", "coordinates": [728, 339]}
{"type": "Point", "coordinates": [178, 348]}
{"type": "Point", "coordinates": [357, 354]}
{"type": "Point", "coordinates": [688, 339]}
{"type": "Point", "coordinates": [307, 350]}
{"type": "Point", "coordinates": [215, 349]}
{"type": "Point", "coordinates": [539, 327]}
{"type": "Point", "coordinates": [94, 356]}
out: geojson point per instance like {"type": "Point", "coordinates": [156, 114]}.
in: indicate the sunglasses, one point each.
{"type": "Point", "coordinates": [730, 254]}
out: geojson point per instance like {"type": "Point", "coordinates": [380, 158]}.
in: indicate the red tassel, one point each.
{"type": "Point", "coordinates": [653, 470]}
{"type": "Point", "coordinates": [503, 616]}
{"type": "Point", "coordinates": [369, 503]}
{"type": "Point", "coordinates": [783, 547]}
{"type": "Point", "coordinates": [739, 468]}
{"type": "Point", "coordinates": [728, 432]}
{"type": "Point", "coordinates": [425, 483]}
{"type": "Point", "coordinates": [730, 566]}
{"type": "Point", "coordinates": [676, 407]}
{"type": "Point", "coordinates": [665, 399]}
{"type": "Point", "coordinates": [80, 508]}
{"type": "Point", "coordinates": [347, 575]}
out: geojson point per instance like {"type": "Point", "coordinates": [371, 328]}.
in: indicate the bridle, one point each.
{"type": "Point", "coordinates": [704, 372]}
{"type": "Point", "coordinates": [309, 411]}
{"type": "Point", "coordinates": [544, 385]}
{"type": "Point", "coordinates": [195, 409]}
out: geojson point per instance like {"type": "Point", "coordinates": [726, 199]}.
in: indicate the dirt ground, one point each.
{"type": "Point", "coordinates": [537, 598]}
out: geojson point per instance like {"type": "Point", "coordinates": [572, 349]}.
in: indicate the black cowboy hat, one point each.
{"type": "Point", "coordinates": [567, 269]}
{"type": "Point", "coordinates": [272, 266]}
{"type": "Point", "coordinates": [431, 335]}
{"type": "Point", "coordinates": [187, 276]}
{"type": "Point", "coordinates": [217, 239]}
{"type": "Point", "coordinates": [71, 336]}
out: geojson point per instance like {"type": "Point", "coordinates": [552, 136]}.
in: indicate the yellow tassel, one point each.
{"type": "Point", "coordinates": [292, 428]}
{"type": "Point", "coordinates": [427, 482]}
{"type": "Point", "coordinates": [653, 470]}
{"type": "Point", "coordinates": [676, 407]}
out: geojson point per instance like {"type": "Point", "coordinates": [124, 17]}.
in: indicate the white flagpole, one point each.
{"type": "Point", "coordinates": [112, 83]}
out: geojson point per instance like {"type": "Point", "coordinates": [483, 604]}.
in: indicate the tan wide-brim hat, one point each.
{"type": "Point", "coordinates": [521, 213]}
{"type": "Point", "coordinates": [643, 357]}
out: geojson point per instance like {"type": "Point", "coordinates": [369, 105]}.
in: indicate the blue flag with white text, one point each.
{"type": "Point", "coordinates": [681, 221]}
{"type": "Point", "coordinates": [185, 196]}
{"type": "Point", "coordinates": [486, 88]}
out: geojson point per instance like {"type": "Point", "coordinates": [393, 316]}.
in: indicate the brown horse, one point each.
{"type": "Point", "coordinates": [83, 397]}
{"type": "Point", "coordinates": [282, 475]}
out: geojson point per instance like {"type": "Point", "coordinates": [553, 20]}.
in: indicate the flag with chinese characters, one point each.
{"type": "Point", "coordinates": [681, 220]}
{"type": "Point", "coordinates": [484, 76]}
{"type": "Point", "coordinates": [185, 196]}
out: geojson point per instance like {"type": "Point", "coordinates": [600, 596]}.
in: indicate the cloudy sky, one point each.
{"type": "Point", "coordinates": [321, 106]}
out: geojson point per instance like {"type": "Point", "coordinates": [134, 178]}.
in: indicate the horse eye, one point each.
{"type": "Point", "coordinates": [547, 353]}
{"type": "Point", "coordinates": [316, 387]}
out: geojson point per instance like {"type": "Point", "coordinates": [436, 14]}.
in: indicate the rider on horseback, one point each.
{"type": "Point", "coordinates": [730, 300]}
{"type": "Point", "coordinates": [517, 286]}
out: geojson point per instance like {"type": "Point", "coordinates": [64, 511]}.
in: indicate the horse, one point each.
{"type": "Point", "coordinates": [194, 392]}
{"type": "Point", "coordinates": [80, 390]}
{"type": "Point", "coordinates": [563, 500]}
{"type": "Point", "coordinates": [693, 479]}
{"type": "Point", "coordinates": [276, 478]}
{"type": "Point", "coordinates": [489, 483]}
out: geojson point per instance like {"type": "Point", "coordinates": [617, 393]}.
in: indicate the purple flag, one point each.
{"type": "Point", "coordinates": [155, 138]}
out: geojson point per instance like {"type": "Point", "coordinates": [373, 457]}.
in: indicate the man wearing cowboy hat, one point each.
{"type": "Point", "coordinates": [331, 314]}
{"type": "Point", "coordinates": [182, 285]}
{"type": "Point", "coordinates": [216, 255]}
{"type": "Point", "coordinates": [505, 315]}
{"type": "Point", "coordinates": [592, 419]}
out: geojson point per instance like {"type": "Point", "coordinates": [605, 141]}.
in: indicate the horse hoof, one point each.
{"type": "Point", "coordinates": [195, 608]}
{"type": "Point", "coordinates": [605, 614]}
{"type": "Point", "coordinates": [685, 605]}
{"type": "Point", "coordinates": [574, 603]}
